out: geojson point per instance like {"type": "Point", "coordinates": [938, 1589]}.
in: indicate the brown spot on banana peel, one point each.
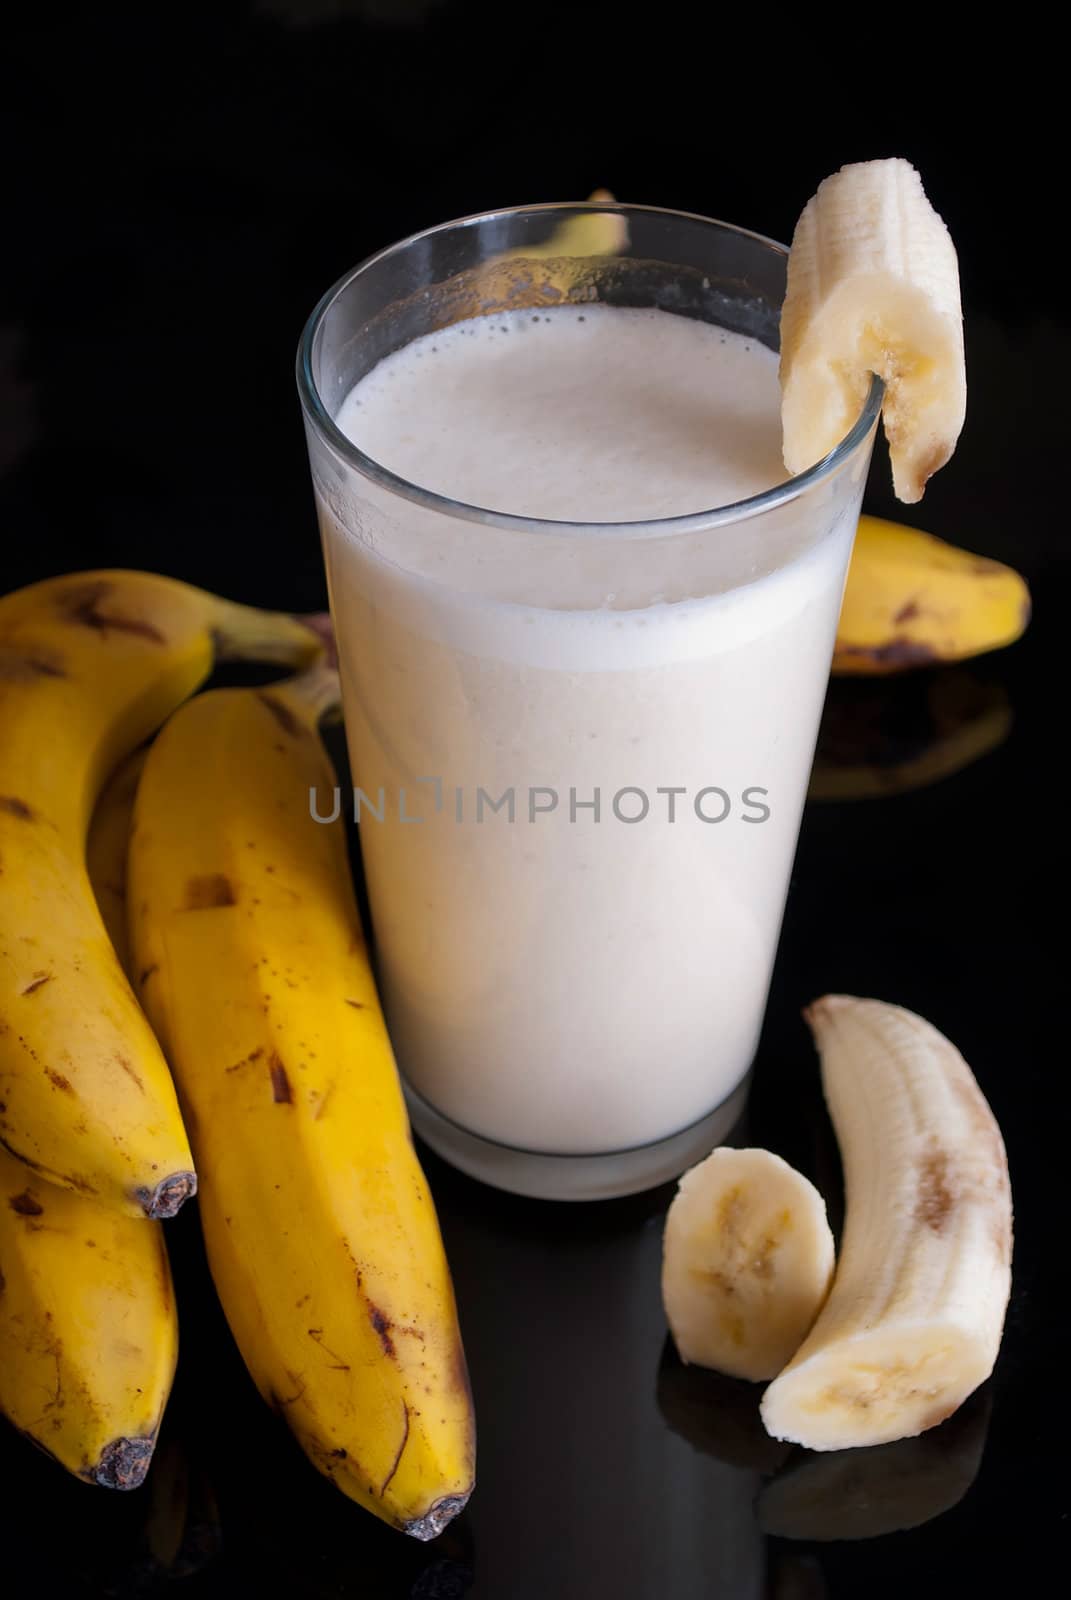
{"type": "Point", "coordinates": [336, 1364]}
{"type": "Point", "coordinates": [124, 1463]}
{"type": "Point", "coordinates": [382, 1324]}
{"type": "Point", "coordinates": [58, 1081]}
{"type": "Point", "coordinates": [282, 714]}
{"type": "Point", "coordinates": [246, 1061]}
{"type": "Point", "coordinates": [143, 977]}
{"type": "Point", "coordinates": [20, 666]}
{"type": "Point", "coordinates": [12, 806]}
{"type": "Point", "coordinates": [210, 891]}
{"type": "Point", "coordinates": [24, 1205]}
{"type": "Point", "coordinates": [898, 655]}
{"type": "Point", "coordinates": [82, 607]}
{"type": "Point", "coordinates": [280, 1083]}
{"type": "Point", "coordinates": [168, 1196]}
{"type": "Point", "coordinates": [127, 1066]}
{"type": "Point", "coordinates": [907, 613]}
{"type": "Point", "coordinates": [405, 1440]}
{"type": "Point", "coordinates": [38, 981]}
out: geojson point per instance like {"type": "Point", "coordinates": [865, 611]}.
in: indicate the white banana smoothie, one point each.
{"type": "Point", "coordinates": [581, 754]}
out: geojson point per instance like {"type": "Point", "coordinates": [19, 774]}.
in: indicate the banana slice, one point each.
{"type": "Point", "coordinates": [873, 287]}
{"type": "Point", "coordinates": [914, 1320]}
{"type": "Point", "coordinates": [747, 1262]}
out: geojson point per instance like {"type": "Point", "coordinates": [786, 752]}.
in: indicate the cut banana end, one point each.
{"type": "Point", "coordinates": [747, 1262]}
{"type": "Point", "coordinates": [873, 287]}
{"type": "Point", "coordinates": [914, 1319]}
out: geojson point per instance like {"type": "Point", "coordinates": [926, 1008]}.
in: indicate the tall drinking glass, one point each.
{"type": "Point", "coordinates": [580, 750]}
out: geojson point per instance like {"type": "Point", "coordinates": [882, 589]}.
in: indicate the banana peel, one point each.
{"type": "Point", "coordinates": [912, 600]}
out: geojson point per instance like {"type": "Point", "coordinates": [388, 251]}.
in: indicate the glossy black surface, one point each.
{"type": "Point", "coordinates": [185, 181]}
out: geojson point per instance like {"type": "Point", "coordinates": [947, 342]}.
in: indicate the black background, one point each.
{"type": "Point", "coordinates": [181, 183]}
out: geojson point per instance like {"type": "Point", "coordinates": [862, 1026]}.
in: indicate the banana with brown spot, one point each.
{"type": "Point", "coordinates": [913, 1322]}
{"type": "Point", "coordinates": [88, 1332]}
{"type": "Point", "coordinates": [320, 1227]}
{"type": "Point", "coordinates": [90, 665]}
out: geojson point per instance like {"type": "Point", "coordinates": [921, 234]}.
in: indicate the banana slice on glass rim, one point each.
{"type": "Point", "coordinates": [873, 288]}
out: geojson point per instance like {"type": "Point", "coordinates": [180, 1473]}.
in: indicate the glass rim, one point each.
{"type": "Point", "coordinates": [430, 499]}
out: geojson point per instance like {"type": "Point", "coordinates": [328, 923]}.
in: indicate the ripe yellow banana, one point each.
{"type": "Point", "coordinates": [90, 665]}
{"type": "Point", "coordinates": [320, 1228]}
{"type": "Point", "coordinates": [747, 1262]}
{"type": "Point", "coordinates": [873, 287]}
{"type": "Point", "coordinates": [106, 850]}
{"type": "Point", "coordinates": [914, 1319]}
{"type": "Point", "coordinates": [912, 600]}
{"type": "Point", "coordinates": [88, 1333]}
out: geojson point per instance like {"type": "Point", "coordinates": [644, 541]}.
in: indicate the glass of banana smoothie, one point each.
{"type": "Point", "coordinates": [585, 623]}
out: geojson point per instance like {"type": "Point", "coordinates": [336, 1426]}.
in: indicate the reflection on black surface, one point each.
{"type": "Point", "coordinates": [887, 736]}
{"type": "Point", "coordinates": [581, 1489]}
{"type": "Point", "coordinates": [796, 1577]}
{"type": "Point", "coordinates": [862, 1494]}
{"type": "Point", "coordinates": [183, 1534]}
{"type": "Point", "coordinates": [716, 1414]}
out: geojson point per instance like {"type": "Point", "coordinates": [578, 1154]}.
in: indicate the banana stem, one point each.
{"type": "Point", "coordinates": [244, 633]}
{"type": "Point", "coordinates": [313, 695]}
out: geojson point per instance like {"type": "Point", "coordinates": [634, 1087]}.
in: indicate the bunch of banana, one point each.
{"type": "Point", "coordinates": [90, 665]}
{"type": "Point", "coordinates": [88, 1332]}
{"type": "Point", "coordinates": [320, 1229]}
{"type": "Point", "coordinates": [912, 600]}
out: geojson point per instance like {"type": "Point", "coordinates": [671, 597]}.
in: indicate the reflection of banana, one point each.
{"type": "Point", "coordinates": [879, 738]}
{"type": "Point", "coordinates": [863, 1494]}
{"type": "Point", "coordinates": [590, 233]}
{"type": "Point", "coordinates": [795, 1577]}
{"type": "Point", "coordinates": [912, 600]}
{"type": "Point", "coordinates": [109, 835]}
{"type": "Point", "coordinates": [913, 1323]}
{"type": "Point", "coordinates": [718, 1416]}
{"type": "Point", "coordinates": [182, 1528]}
{"type": "Point", "coordinates": [747, 1262]}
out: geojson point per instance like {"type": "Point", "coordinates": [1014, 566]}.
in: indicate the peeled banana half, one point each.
{"type": "Point", "coordinates": [914, 1318]}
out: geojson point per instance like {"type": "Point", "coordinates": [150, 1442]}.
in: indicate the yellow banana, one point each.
{"type": "Point", "coordinates": [320, 1228]}
{"type": "Point", "coordinates": [912, 600]}
{"type": "Point", "coordinates": [106, 850]}
{"type": "Point", "coordinates": [88, 1333]}
{"type": "Point", "coordinates": [90, 665]}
